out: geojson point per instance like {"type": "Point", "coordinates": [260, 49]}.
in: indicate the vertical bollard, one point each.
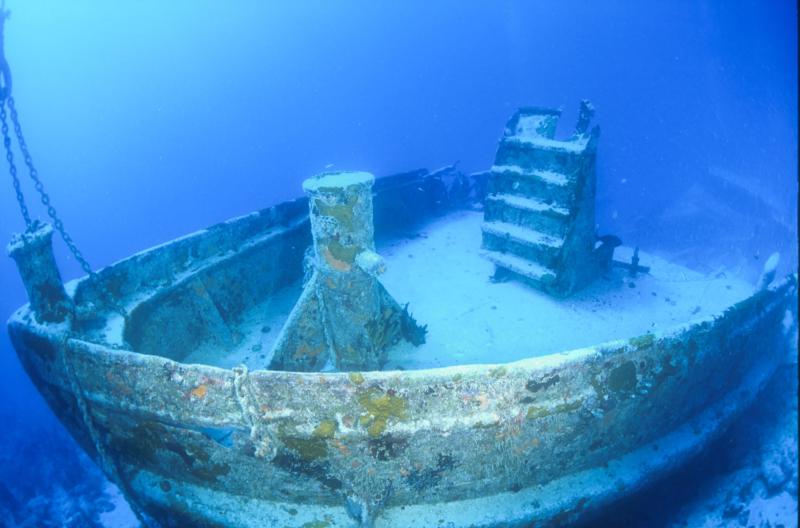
{"type": "Point", "coordinates": [33, 253]}
{"type": "Point", "coordinates": [344, 318]}
{"type": "Point", "coordinates": [341, 226]}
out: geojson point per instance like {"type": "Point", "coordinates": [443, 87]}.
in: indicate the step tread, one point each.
{"type": "Point", "coordinates": [548, 176]}
{"type": "Point", "coordinates": [527, 203]}
{"type": "Point", "coordinates": [577, 146]}
{"type": "Point", "coordinates": [518, 265]}
{"type": "Point", "coordinates": [521, 234]}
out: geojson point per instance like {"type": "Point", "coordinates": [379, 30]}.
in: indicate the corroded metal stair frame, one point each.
{"type": "Point", "coordinates": [539, 214]}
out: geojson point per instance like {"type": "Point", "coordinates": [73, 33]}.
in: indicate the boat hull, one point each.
{"type": "Point", "coordinates": [536, 442]}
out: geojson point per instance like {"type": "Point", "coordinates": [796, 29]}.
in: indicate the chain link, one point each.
{"type": "Point", "coordinates": [12, 168]}
{"type": "Point", "coordinates": [45, 199]}
{"type": "Point", "coordinates": [39, 186]}
{"type": "Point", "coordinates": [110, 464]}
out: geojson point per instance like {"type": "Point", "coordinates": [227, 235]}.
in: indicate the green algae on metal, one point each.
{"type": "Point", "coordinates": [343, 253]}
{"type": "Point", "coordinates": [325, 429]}
{"type": "Point", "coordinates": [380, 408]}
{"type": "Point", "coordinates": [307, 448]}
{"type": "Point", "coordinates": [316, 524]}
{"type": "Point", "coordinates": [312, 448]}
{"type": "Point", "coordinates": [343, 213]}
{"type": "Point", "coordinates": [356, 378]}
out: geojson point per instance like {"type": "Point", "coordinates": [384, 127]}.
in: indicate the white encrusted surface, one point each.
{"type": "Point", "coordinates": [446, 281]}
{"type": "Point", "coordinates": [337, 180]}
{"type": "Point", "coordinates": [529, 204]}
{"type": "Point", "coordinates": [551, 177]}
{"type": "Point", "coordinates": [577, 145]}
{"type": "Point", "coordinates": [521, 234]}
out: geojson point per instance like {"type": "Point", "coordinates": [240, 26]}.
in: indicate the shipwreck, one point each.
{"type": "Point", "coordinates": [424, 349]}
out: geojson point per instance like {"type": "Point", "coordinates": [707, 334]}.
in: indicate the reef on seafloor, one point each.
{"type": "Point", "coordinates": [46, 480]}
{"type": "Point", "coordinates": [747, 478]}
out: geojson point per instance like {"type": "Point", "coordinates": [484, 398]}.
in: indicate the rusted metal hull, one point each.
{"type": "Point", "coordinates": [536, 442]}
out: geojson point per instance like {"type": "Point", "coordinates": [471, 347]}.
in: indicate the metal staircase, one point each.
{"type": "Point", "coordinates": [539, 220]}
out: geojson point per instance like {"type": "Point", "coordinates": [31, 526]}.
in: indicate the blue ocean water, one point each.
{"type": "Point", "coordinates": [149, 120]}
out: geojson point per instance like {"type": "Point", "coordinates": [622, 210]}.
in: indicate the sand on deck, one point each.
{"type": "Point", "coordinates": [446, 281]}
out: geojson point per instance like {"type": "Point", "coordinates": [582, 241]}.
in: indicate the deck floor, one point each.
{"type": "Point", "coordinates": [446, 281]}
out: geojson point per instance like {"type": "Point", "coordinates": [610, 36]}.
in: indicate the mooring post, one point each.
{"type": "Point", "coordinates": [345, 319]}
{"type": "Point", "coordinates": [33, 253]}
{"type": "Point", "coordinates": [345, 259]}
{"type": "Point", "coordinates": [341, 220]}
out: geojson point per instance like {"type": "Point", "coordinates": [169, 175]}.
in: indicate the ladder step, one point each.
{"type": "Point", "coordinates": [576, 146]}
{"type": "Point", "coordinates": [549, 186]}
{"type": "Point", "coordinates": [530, 213]}
{"type": "Point", "coordinates": [547, 176]}
{"type": "Point", "coordinates": [520, 266]}
{"type": "Point", "coordinates": [521, 234]}
{"type": "Point", "coordinates": [529, 204]}
{"type": "Point", "coordinates": [542, 154]}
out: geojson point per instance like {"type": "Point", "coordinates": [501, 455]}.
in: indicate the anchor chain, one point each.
{"type": "Point", "coordinates": [5, 92]}
{"type": "Point", "coordinates": [7, 99]}
{"type": "Point", "coordinates": [106, 460]}
{"type": "Point", "coordinates": [12, 168]}
{"type": "Point", "coordinates": [58, 224]}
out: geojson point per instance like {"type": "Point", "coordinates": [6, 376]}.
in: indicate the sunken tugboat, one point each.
{"type": "Point", "coordinates": [267, 371]}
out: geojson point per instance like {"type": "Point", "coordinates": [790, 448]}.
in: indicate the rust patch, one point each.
{"type": "Point", "coordinates": [117, 385]}
{"type": "Point", "coordinates": [343, 449]}
{"type": "Point", "coordinates": [199, 392]}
